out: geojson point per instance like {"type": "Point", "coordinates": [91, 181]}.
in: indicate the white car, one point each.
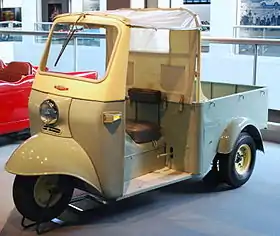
{"type": "Point", "coordinates": [269, 3]}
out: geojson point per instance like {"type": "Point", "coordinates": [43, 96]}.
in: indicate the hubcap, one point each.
{"type": "Point", "coordinates": [46, 191]}
{"type": "Point", "coordinates": [243, 159]}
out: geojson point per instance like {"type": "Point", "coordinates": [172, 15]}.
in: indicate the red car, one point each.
{"type": "Point", "coordinates": [15, 86]}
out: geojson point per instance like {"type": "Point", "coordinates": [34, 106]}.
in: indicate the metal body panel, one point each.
{"type": "Point", "coordinates": [63, 104]}
{"type": "Point", "coordinates": [44, 154]}
{"type": "Point", "coordinates": [223, 119]}
{"type": "Point", "coordinates": [232, 131]}
{"type": "Point", "coordinates": [153, 180]}
{"type": "Point", "coordinates": [141, 159]}
{"type": "Point", "coordinates": [104, 143]}
{"type": "Point", "coordinates": [82, 120]}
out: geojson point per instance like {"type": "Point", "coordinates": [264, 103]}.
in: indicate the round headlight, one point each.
{"type": "Point", "coordinates": [49, 112]}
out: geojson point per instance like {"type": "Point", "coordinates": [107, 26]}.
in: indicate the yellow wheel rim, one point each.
{"type": "Point", "coordinates": [243, 159]}
{"type": "Point", "coordinates": [42, 191]}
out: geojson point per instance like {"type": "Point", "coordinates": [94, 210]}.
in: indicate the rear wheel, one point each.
{"type": "Point", "coordinates": [42, 198]}
{"type": "Point", "coordinates": [237, 167]}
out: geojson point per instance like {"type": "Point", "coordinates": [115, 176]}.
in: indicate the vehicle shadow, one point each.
{"type": "Point", "coordinates": [144, 206]}
{"type": "Point", "coordinates": [6, 140]}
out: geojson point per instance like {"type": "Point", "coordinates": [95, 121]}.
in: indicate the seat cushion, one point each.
{"type": "Point", "coordinates": [143, 131]}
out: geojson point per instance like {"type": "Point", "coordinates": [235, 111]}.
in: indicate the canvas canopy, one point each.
{"type": "Point", "coordinates": [176, 19]}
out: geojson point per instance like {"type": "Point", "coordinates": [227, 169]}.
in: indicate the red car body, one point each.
{"type": "Point", "coordinates": [15, 85]}
{"type": "Point", "coordinates": [16, 80]}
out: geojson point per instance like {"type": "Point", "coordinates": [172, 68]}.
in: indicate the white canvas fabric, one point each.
{"type": "Point", "coordinates": [152, 26]}
{"type": "Point", "coordinates": [149, 40]}
{"type": "Point", "coordinates": [180, 19]}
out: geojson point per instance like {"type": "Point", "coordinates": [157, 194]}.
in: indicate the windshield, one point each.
{"type": "Point", "coordinates": [81, 50]}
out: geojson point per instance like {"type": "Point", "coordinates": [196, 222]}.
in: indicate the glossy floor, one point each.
{"type": "Point", "coordinates": [182, 209]}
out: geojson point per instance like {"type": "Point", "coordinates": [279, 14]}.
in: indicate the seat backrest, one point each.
{"type": "Point", "coordinates": [24, 68]}
{"type": "Point", "coordinates": [144, 95]}
{"type": "Point", "coordinates": [150, 96]}
{"type": "Point", "coordinates": [15, 70]}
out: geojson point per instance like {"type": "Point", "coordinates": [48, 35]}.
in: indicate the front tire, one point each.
{"type": "Point", "coordinates": [31, 196]}
{"type": "Point", "coordinates": [237, 167]}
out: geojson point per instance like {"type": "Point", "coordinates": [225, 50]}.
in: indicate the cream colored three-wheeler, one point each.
{"type": "Point", "coordinates": [146, 122]}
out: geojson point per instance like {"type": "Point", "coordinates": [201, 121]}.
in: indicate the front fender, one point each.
{"type": "Point", "coordinates": [232, 131]}
{"type": "Point", "coordinates": [44, 154]}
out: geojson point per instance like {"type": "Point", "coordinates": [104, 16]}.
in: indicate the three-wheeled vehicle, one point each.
{"type": "Point", "coordinates": [148, 121]}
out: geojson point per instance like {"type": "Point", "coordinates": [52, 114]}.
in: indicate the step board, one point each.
{"type": "Point", "coordinates": [153, 180]}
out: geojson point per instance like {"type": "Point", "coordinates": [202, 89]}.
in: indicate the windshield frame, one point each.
{"type": "Point", "coordinates": [101, 23]}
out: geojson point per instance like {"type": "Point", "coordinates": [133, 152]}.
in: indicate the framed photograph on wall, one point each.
{"type": "Point", "coordinates": [91, 5]}
{"type": "Point", "coordinates": [260, 12]}
{"type": "Point", "coordinates": [255, 19]}
{"type": "Point", "coordinates": [10, 14]}
{"type": "Point", "coordinates": [54, 9]}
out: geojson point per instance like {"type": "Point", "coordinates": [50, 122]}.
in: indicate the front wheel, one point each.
{"type": "Point", "coordinates": [42, 198]}
{"type": "Point", "coordinates": [237, 167]}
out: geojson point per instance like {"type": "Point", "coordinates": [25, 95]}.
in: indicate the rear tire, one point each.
{"type": "Point", "coordinates": [27, 199]}
{"type": "Point", "coordinates": [237, 167]}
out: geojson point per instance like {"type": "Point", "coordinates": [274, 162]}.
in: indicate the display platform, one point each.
{"type": "Point", "coordinates": [181, 209]}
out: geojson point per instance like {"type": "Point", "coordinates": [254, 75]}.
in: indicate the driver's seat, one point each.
{"type": "Point", "coordinates": [143, 131]}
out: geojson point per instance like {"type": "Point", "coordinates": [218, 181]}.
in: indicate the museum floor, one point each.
{"type": "Point", "coordinates": [184, 209]}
